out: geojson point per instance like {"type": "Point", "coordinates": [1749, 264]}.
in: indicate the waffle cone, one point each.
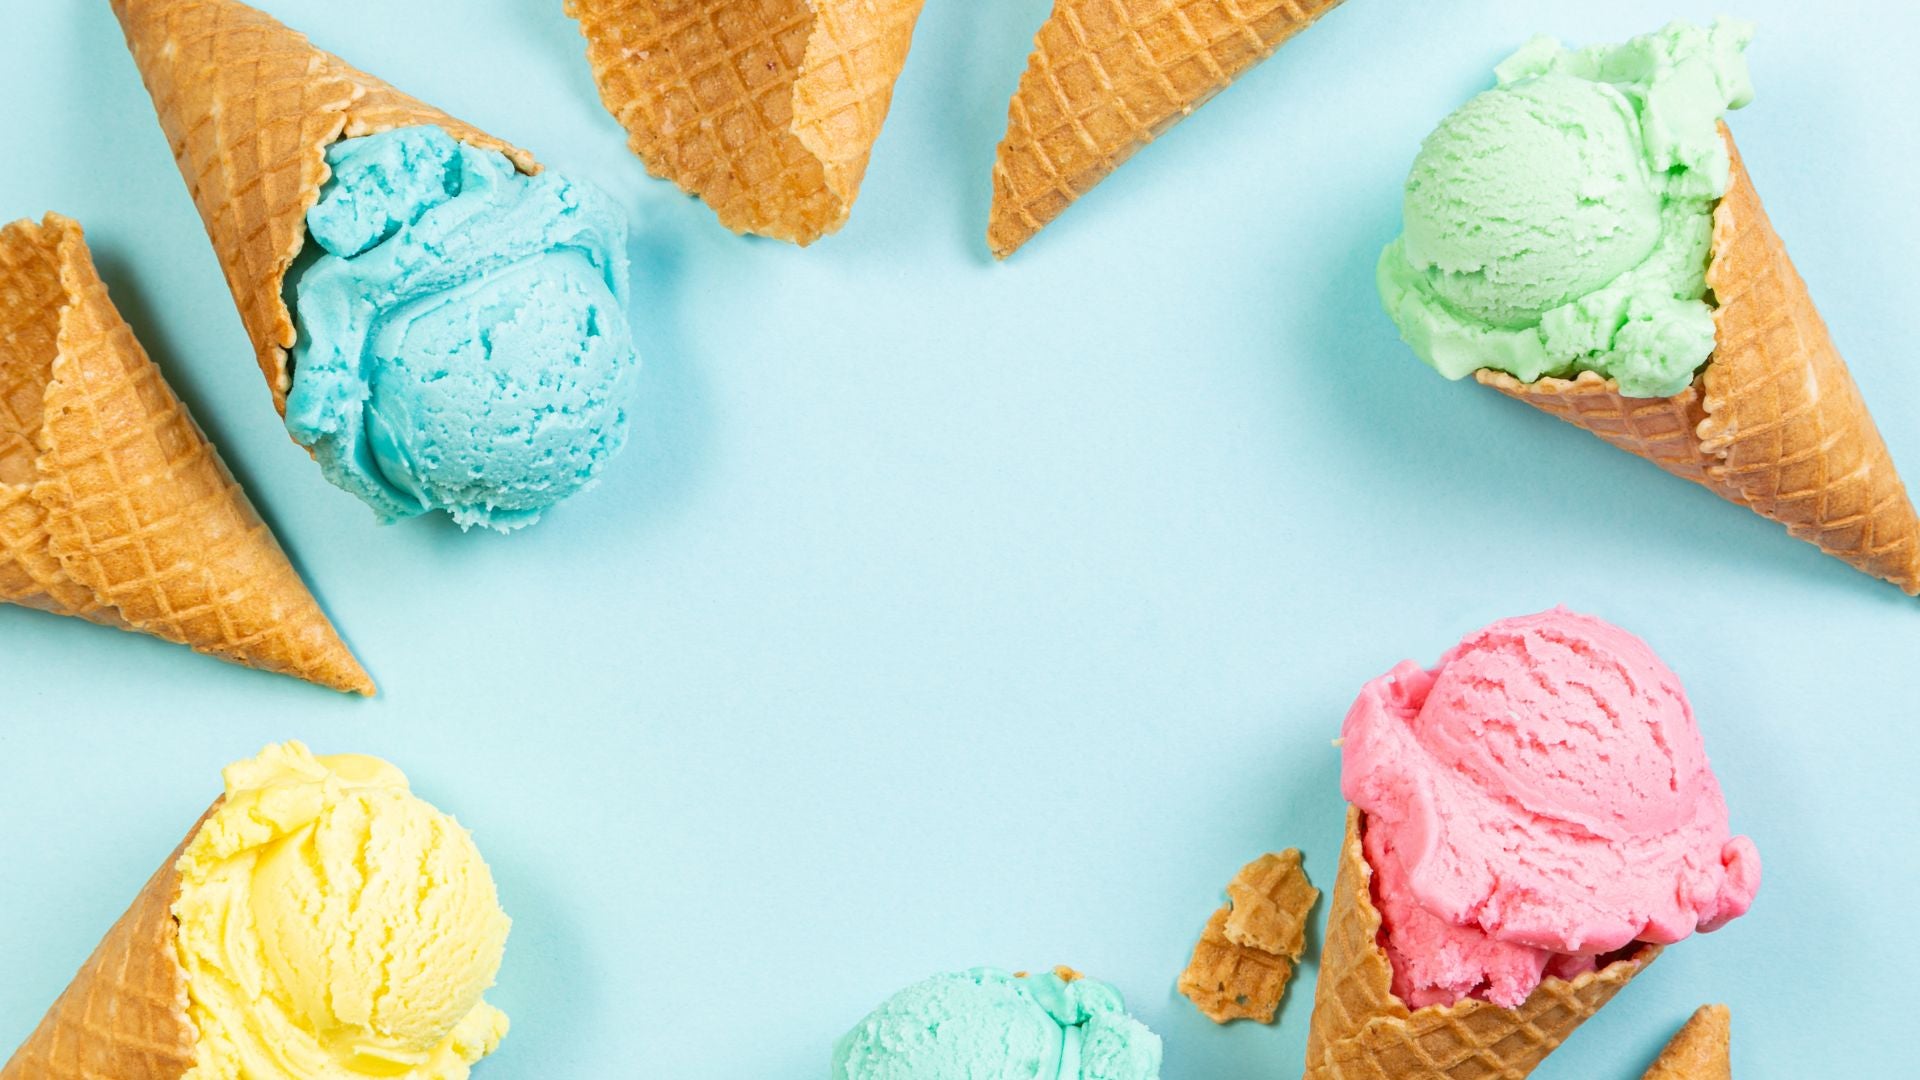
{"type": "Point", "coordinates": [1361, 1031]}
{"type": "Point", "coordinates": [250, 107]}
{"type": "Point", "coordinates": [766, 109]}
{"type": "Point", "coordinates": [124, 1015]}
{"type": "Point", "coordinates": [1106, 78]}
{"type": "Point", "coordinates": [1774, 422]}
{"type": "Point", "coordinates": [1700, 1050]}
{"type": "Point", "coordinates": [113, 506]}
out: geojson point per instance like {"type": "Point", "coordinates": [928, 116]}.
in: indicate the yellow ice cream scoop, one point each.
{"type": "Point", "coordinates": [332, 926]}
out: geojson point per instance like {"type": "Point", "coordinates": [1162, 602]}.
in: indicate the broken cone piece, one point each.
{"type": "Point", "coordinates": [1700, 1050]}
{"type": "Point", "coordinates": [1106, 78]}
{"type": "Point", "coordinates": [766, 109]}
{"type": "Point", "coordinates": [1246, 955]}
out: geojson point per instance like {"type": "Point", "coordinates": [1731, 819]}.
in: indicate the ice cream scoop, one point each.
{"type": "Point", "coordinates": [986, 1023]}
{"type": "Point", "coordinates": [464, 343]}
{"type": "Point", "coordinates": [1562, 221]}
{"type": "Point", "coordinates": [333, 925]}
{"type": "Point", "coordinates": [1538, 800]}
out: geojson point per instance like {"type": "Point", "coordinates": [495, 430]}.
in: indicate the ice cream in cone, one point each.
{"type": "Point", "coordinates": [319, 920]}
{"type": "Point", "coordinates": [1106, 78]}
{"type": "Point", "coordinates": [766, 109]}
{"type": "Point", "coordinates": [500, 379]}
{"type": "Point", "coordinates": [1699, 1050]}
{"type": "Point", "coordinates": [1585, 238]}
{"type": "Point", "coordinates": [113, 505]}
{"type": "Point", "coordinates": [1531, 821]}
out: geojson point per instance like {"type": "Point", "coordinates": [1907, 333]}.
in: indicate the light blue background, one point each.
{"type": "Point", "coordinates": [944, 613]}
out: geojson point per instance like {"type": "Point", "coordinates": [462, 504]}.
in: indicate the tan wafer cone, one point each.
{"type": "Point", "coordinates": [1106, 78]}
{"type": "Point", "coordinates": [1700, 1050]}
{"type": "Point", "coordinates": [124, 1015]}
{"type": "Point", "coordinates": [249, 107]}
{"type": "Point", "coordinates": [113, 506]}
{"type": "Point", "coordinates": [1361, 1031]}
{"type": "Point", "coordinates": [1774, 422]}
{"type": "Point", "coordinates": [766, 109]}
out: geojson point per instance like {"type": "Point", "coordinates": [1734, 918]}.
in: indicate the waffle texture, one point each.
{"type": "Point", "coordinates": [1700, 1050]}
{"type": "Point", "coordinates": [250, 107]}
{"type": "Point", "coordinates": [1361, 1031]}
{"type": "Point", "coordinates": [113, 505]}
{"type": "Point", "coordinates": [1245, 957]}
{"type": "Point", "coordinates": [1106, 78]}
{"type": "Point", "coordinates": [1774, 422]}
{"type": "Point", "coordinates": [124, 1015]}
{"type": "Point", "coordinates": [766, 109]}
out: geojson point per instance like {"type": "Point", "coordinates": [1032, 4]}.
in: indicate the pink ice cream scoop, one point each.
{"type": "Point", "coordinates": [1537, 801]}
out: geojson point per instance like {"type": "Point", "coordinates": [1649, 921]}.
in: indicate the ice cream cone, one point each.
{"type": "Point", "coordinates": [124, 1015]}
{"type": "Point", "coordinates": [1774, 422]}
{"type": "Point", "coordinates": [249, 107]}
{"type": "Point", "coordinates": [113, 506]}
{"type": "Point", "coordinates": [766, 109]}
{"type": "Point", "coordinates": [1699, 1051]}
{"type": "Point", "coordinates": [1106, 78]}
{"type": "Point", "coordinates": [1361, 1031]}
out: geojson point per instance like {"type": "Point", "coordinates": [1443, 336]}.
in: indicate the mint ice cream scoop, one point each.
{"type": "Point", "coordinates": [1562, 221]}
{"type": "Point", "coordinates": [989, 1025]}
{"type": "Point", "coordinates": [463, 334]}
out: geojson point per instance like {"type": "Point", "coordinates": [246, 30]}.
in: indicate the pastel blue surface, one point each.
{"type": "Point", "coordinates": [945, 614]}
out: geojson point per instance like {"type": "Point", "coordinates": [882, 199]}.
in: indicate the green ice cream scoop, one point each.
{"type": "Point", "coordinates": [989, 1025]}
{"type": "Point", "coordinates": [1563, 221]}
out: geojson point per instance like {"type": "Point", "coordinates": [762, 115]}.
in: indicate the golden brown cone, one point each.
{"type": "Point", "coordinates": [113, 506]}
{"type": "Point", "coordinates": [250, 107]}
{"type": "Point", "coordinates": [1774, 422]}
{"type": "Point", "coordinates": [766, 109]}
{"type": "Point", "coordinates": [1361, 1031]}
{"type": "Point", "coordinates": [124, 1015]}
{"type": "Point", "coordinates": [1106, 78]}
{"type": "Point", "coordinates": [1700, 1050]}
{"type": "Point", "coordinates": [1245, 956]}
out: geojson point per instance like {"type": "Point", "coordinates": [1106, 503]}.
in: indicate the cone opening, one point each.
{"type": "Point", "coordinates": [1607, 966]}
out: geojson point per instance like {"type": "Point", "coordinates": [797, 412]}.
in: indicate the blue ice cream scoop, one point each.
{"type": "Point", "coordinates": [463, 333]}
{"type": "Point", "coordinates": [989, 1025]}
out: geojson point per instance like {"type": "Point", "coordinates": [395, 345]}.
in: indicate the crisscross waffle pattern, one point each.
{"type": "Point", "coordinates": [124, 1015]}
{"type": "Point", "coordinates": [1700, 1050]}
{"type": "Point", "coordinates": [137, 513]}
{"type": "Point", "coordinates": [1361, 1031]}
{"type": "Point", "coordinates": [1245, 957]}
{"type": "Point", "coordinates": [1775, 421]}
{"type": "Point", "coordinates": [249, 107]}
{"type": "Point", "coordinates": [31, 300]}
{"type": "Point", "coordinates": [765, 109]}
{"type": "Point", "coordinates": [1106, 78]}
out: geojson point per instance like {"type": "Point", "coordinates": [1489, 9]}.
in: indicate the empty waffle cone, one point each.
{"type": "Point", "coordinates": [1774, 421]}
{"type": "Point", "coordinates": [1700, 1050]}
{"type": "Point", "coordinates": [1361, 1031]}
{"type": "Point", "coordinates": [766, 109]}
{"type": "Point", "coordinates": [1106, 78]}
{"type": "Point", "coordinates": [250, 107]}
{"type": "Point", "coordinates": [113, 506]}
{"type": "Point", "coordinates": [124, 1015]}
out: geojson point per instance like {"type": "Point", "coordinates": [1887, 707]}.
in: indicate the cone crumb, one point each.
{"type": "Point", "coordinates": [1245, 957]}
